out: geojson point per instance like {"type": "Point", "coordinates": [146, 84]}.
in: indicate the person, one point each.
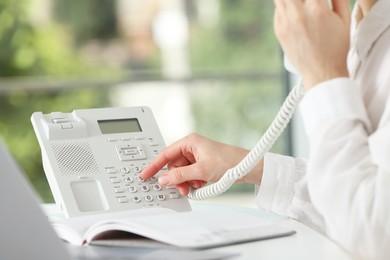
{"type": "Point", "coordinates": [343, 189]}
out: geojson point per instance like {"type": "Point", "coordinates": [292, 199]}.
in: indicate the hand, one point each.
{"type": "Point", "coordinates": [314, 37]}
{"type": "Point", "coordinates": [196, 160]}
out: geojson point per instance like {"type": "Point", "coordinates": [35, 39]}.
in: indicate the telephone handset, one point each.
{"type": "Point", "coordinates": [264, 144]}
{"type": "Point", "coordinates": [92, 159]}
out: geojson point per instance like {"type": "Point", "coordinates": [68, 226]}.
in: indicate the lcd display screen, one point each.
{"type": "Point", "coordinates": [119, 126]}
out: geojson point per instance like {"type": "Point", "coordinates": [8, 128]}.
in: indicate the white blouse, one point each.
{"type": "Point", "coordinates": [343, 190]}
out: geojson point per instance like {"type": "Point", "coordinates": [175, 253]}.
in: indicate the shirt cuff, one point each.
{"type": "Point", "coordinates": [276, 190]}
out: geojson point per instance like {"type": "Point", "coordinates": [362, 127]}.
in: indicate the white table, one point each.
{"type": "Point", "coordinates": [305, 244]}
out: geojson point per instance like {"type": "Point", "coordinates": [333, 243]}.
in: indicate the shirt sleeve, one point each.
{"type": "Point", "coordinates": [283, 190]}
{"type": "Point", "coordinates": [347, 178]}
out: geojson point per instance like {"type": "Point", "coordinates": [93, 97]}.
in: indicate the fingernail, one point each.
{"type": "Point", "coordinates": [163, 180]}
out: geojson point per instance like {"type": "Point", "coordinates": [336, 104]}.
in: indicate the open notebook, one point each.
{"type": "Point", "coordinates": [198, 229]}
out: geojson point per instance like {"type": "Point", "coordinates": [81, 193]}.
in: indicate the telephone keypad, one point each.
{"type": "Point", "coordinates": [132, 183]}
{"type": "Point", "coordinates": [127, 184]}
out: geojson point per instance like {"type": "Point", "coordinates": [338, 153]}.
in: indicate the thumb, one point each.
{"type": "Point", "coordinates": [181, 174]}
{"type": "Point", "coordinates": [342, 8]}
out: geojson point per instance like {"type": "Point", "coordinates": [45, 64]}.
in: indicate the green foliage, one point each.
{"type": "Point", "coordinates": [88, 19]}
{"type": "Point", "coordinates": [28, 50]}
{"type": "Point", "coordinates": [242, 41]}
{"type": "Point", "coordinates": [13, 30]}
{"type": "Point", "coordinates": [238, 112]}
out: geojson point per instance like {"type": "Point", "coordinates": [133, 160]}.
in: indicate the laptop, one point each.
{"type": "Point", "coordinates": [25, 232]}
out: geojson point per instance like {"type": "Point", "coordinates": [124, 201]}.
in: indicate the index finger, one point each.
{"type": "Point", "coordinates": [168, 155]}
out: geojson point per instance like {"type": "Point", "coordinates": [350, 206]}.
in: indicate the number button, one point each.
{"type": "Point", "coordinates": [139, 179]}
{"type": "Point", "coordinates": [128, 179]}
{"type": "Point", "coordinates": [136, 199]}
{"type": "Point", "coordinates": [148, 198]}
{"type": "Point", "coordinates": [137, 169]}
{"type": "Point", "coordinates": [125, 170]}
{"type": "Point", "coordinates": [161, 197]}
{"type": "Point", "coordinates": [156, 187]}
{"type": "Point", "coordinates": [132, 189]}
{"type": "Point", "coordinates": [144, 188]}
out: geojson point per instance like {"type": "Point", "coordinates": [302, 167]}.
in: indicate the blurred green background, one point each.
{"type": "Point", "coordinates": [60, 55]}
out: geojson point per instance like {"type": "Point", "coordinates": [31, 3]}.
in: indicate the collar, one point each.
{"type": "Point", "coordinates": [369, 29]}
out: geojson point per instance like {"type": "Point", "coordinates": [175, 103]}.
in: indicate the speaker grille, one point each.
{"type": "Point", "coordinates": [75, 158]}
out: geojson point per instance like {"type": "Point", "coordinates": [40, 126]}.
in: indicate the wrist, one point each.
{"type": "Point", "coordinates": [254, 176]}
{"type": "Point", "coordinates": [311, 81]}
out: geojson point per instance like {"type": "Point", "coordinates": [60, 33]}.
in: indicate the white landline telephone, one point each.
{"type": "Point", "coordinates": [92, 159]}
